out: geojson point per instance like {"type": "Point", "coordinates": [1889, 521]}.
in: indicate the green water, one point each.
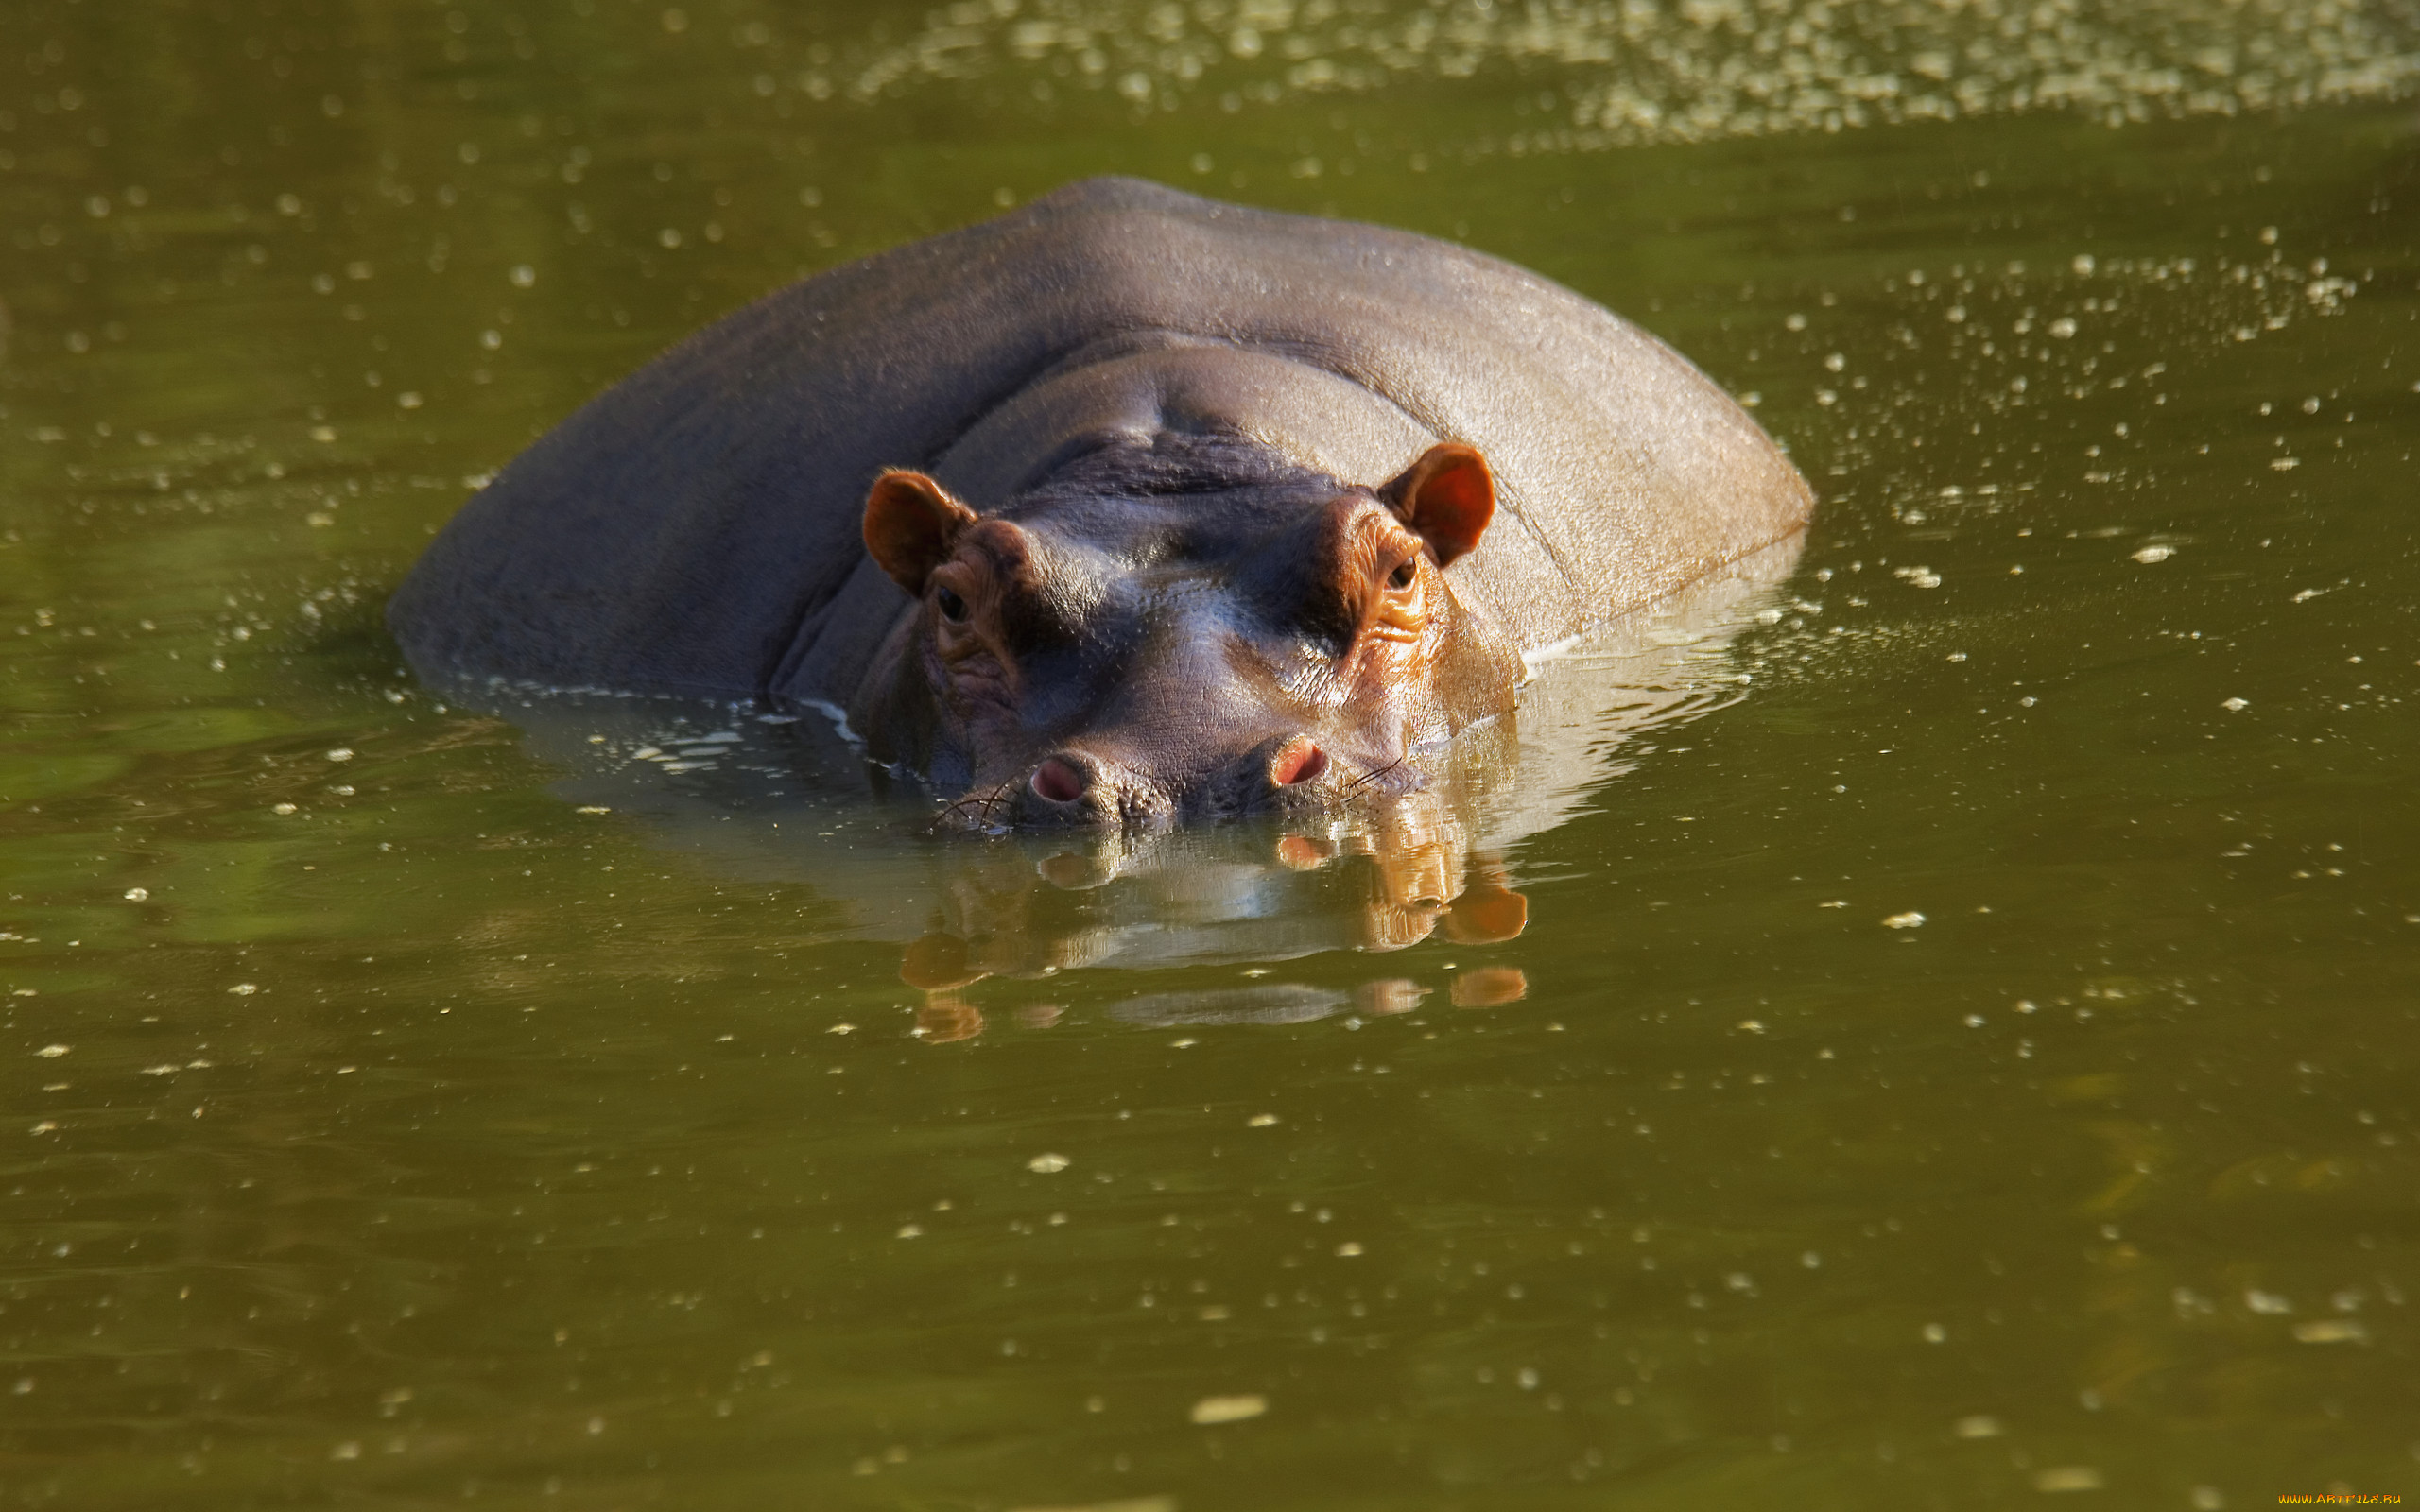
{"type": "Point", "coordinates": [379, 1129]}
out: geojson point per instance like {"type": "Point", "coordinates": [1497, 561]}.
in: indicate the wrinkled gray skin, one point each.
{"type": "Point", "coordinates": [1178, 421]}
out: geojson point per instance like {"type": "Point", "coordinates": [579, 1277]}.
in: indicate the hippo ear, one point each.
{"type": "Point", "coordinates": [912, 526]}
{"type": "Point", "coordinates": [1448, 497]}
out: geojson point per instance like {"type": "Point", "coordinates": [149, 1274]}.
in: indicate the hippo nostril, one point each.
{"type": "Point", "coordinates": [1298, 763]}
{"type": "Point", "coordinates": [1058, 782]}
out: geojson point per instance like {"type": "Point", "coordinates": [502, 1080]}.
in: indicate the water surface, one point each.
{"type": "Point", "coordinates": [1958, 1041]}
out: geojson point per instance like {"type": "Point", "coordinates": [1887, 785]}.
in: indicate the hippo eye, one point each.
{"type": "Point", "coordinates": [953, 607]}
{"type": "Point", "coordinates": [1401, 577]}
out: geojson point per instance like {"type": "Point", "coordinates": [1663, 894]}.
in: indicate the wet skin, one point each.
{"type": "Point", "coordinates": [1124, 510]}
{"type": "Point", "coordinates": [1094, 654]}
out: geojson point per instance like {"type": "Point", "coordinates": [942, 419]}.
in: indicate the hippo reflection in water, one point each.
{"type": "Point", "coordinates": [776, 801]}
{"type": "Point", "coordinates": [1123, 510]}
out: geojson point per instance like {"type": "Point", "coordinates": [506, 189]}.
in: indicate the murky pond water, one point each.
{"type": "Point", "coordinates": [1963, 1041]}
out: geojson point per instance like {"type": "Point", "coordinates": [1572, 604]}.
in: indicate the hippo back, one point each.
{"type": "Point", "coordinates": [696, 529]}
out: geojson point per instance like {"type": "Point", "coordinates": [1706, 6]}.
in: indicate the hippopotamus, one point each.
{"type": "Point", "coordinates": [1124, 510]}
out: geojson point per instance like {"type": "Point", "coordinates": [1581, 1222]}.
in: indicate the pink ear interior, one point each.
{"type": "Point", "coordinates": [1448, 497]}
{"type": "Point", "coordinates": [911, 527]}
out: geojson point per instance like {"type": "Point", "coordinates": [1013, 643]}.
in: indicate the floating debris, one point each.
{"type": "Point", "coordinates": [1907, 920]}
{"type": "Point", "coordinates": [1046, 1165]}
{"type": "Point", "coordinates": [1228, 1409]}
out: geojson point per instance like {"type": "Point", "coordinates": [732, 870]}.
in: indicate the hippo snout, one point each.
{"type": "Point", "coordinates": [1074, 789]}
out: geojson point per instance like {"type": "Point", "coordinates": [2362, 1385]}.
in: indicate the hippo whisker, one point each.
{"type": "Point", "coordinates": [975, 811]}
{"type": "Point", "coordinates": [1362, 784]}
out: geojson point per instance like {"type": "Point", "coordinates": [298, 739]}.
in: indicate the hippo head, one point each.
{"type": "Point", "coordinates": [1182, 630]}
